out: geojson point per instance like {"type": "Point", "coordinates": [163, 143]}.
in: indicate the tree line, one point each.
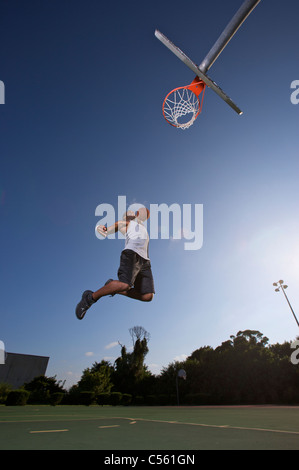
{"type": "Point", "coordinates": [245, 369]}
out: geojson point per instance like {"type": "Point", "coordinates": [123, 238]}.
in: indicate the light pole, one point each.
{"type": "Point", "coordinates": [182, 374]}
{"type": "Point", "coordinates": [280, 286]}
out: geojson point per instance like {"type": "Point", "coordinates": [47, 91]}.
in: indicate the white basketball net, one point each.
{"type": "Point", "coordinates": [179, 105]}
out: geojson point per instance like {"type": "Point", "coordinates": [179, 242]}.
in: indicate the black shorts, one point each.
{"type": "Point", "coordinates": [136, 271]}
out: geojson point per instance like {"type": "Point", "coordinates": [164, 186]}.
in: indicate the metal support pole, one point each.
{"type": "Point", "coordinates": [177, 391]}
{"type": "Point", "coordinates": [232, 27]}
{"type": "Point", "coordinates": [290, 305]}
{"type": "Point", "coordinates": [181, 373]}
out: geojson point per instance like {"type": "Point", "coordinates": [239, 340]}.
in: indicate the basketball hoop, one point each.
{"type": "Point", "coordinates": [182, 105]}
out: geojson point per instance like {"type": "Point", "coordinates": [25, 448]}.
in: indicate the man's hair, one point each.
{"type": "Point", "coordinates": [129, 215]}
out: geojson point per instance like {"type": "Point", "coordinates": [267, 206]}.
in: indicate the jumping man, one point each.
{"type": "Point", "coordinates": [135, 279]}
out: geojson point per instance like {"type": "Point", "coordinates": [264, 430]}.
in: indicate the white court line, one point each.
{"type": "Point", "coordinates": [48, 430]}
{"type": "Point", "coordinates": [220, 426]}
{"type": "Point", "coordinates": [111, 426]}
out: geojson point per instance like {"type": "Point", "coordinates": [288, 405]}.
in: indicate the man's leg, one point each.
{"type": "Point", "coordinates": [134, 294]}
{"type": "Point", "coordinates": [113, 287]}
{"type": "Point", "coordinates": [89, 297]}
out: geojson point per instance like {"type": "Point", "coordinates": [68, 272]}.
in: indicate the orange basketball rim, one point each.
{"type": "Point", "coordinates": [182, 105]}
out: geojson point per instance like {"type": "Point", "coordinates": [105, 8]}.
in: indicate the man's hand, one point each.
{"type": "Point", "coordinates": [102, 230]}
{"type": "Point", "coordinates": [121, 225]}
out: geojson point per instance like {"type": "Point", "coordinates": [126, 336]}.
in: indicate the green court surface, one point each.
{"type": "Point", "coordinates": [149, 428]}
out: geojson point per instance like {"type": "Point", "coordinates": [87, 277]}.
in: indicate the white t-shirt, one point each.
{"type": "Point", "coordinates": [137, 239]}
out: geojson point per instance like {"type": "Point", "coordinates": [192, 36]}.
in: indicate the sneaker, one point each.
{"type": "Point", "coordinates": [108, 282]}
{"type": "Point", "coordinates": [84, 304]}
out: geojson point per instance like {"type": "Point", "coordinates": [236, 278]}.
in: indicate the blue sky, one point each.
{"type": "Point", "coordinates": [82, 125]}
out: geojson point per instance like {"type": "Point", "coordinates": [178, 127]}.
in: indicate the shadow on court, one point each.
{"type": "Point", "coordinates": [148, 428]}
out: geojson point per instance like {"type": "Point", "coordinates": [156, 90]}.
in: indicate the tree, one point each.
{"type": "Point", "coordinates": [96, 379]}
{"type": "Point", "coordinates": [243, 370]}
{"type": "Point", "coordinates": [41, 388]}
{"type": "Point", "coordinates": [253, 337]}
{"type": "Point", "coordinates": [4, 391]}
{"type": "Point", "coordinates": [129, 368]}
{"type": "Point", "coordinates": [139, 333]}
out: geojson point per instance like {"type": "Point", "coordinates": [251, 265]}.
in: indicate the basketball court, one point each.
{"type": "Point", "coordinates": [149, 428]}
{"type": "Point", "coordinates": [160, 428]}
